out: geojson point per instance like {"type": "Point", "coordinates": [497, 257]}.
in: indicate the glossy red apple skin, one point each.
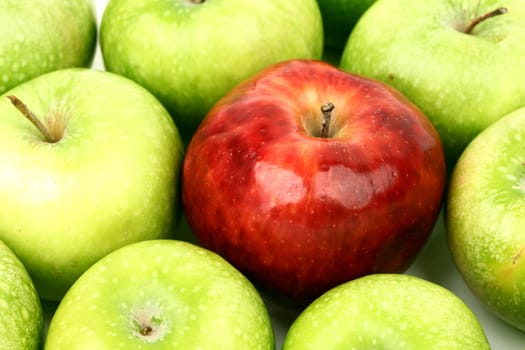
{"type": "Point", "coordinates": [298, 213]}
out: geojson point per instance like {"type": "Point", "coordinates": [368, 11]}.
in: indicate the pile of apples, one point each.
{"type": "Point", "coordinates": [170, 169]}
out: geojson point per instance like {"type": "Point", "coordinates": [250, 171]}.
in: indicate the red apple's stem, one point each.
{"type": "Point", "coordinates": [475, 22]}
{"type": "Point", "coordinates": [26, 112]}
{"type": "Point", "coordinates": [326, 109]}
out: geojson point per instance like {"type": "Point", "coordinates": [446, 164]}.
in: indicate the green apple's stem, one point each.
{"type": "Point", "coordinates": [197, 1]}
{"type": "Point", "coordinates": [475, 22]}
{"type": "Point", "coordinates": [26, 112]}
{"type": "Point", "coordinates": [146, 330]}
{"type": "Point", "coordinates": [326, 109]}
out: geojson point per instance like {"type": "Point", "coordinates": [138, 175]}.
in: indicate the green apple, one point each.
{"type": "Point", "coordinates": [339, 18]}
{"type": "Point", "coordinates": [21, 321]}
{"type": "Point", "coordinates": [387, 311]}
{"type": "Point", "coordinates": [41, 36]}
{"type": "Point", "coordinates": [460, 61]}
{"type": "Point", "coordinates": [189, 53]}
{"type": "Point", "coordinates": [161, 294]}
{"type": "Point", "coordinates": [96, 167]}
{"type": "Point", "coordinates": [485, 217]}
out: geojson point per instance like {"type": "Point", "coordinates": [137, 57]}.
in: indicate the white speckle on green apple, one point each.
{"type": "Point", "coordinates": [21, 321]}
{"type": "Point", "coordinates": [38, 37]}
{"type": "Point", "coordinates": [461, 62]}
{"type": "Point", "coordinates": [391, 311]}
{"type": "Point", "coordinates": [104, 177]}
{"type": "Point", "coordinates": [176, 50]}
{"type": "Point", "coordinates": [200, 302]}
{"type": "Point", "coordinates": [485, 208]}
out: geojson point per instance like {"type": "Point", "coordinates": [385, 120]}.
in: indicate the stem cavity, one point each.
{"type": "Point", "coordinates": [326, 109]}
{"type": "Point", "coordinates": [147, 325]}
{"type": "Point", "coordinates": [475, 22]}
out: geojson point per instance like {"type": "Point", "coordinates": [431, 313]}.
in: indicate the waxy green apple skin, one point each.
{"type": "Point", "coordinates": [299, 212]}
{"type": "Point", "coordinates": [485, 217]}
{"type": "Point", "coordinates": [191, 53]}
{"type": "Point", "coordinates": [110, 179]}
{"type": "Point", "coordinates": [387, 311]}
{"type": "Point", "coordinates": [21, 321]}
{"type": "Point", "coordinates": [161, 294]}
{"type": "Point", "coordinates": [462, 82]}
{"type": "Point", "coordinates": [42, 36]}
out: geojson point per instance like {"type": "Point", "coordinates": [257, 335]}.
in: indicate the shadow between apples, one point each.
{"type": "Point", "coordinates": [282, 316]}
{"type": "Point", "coordinates": [434, 261]}
{"type": "Point", "coordinates": [48, 310]}
{"type": "Point", "coordinates": [183, 231]}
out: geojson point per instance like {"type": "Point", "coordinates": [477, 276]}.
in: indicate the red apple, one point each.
{"type": "Point", "coordinates": [298, 211]}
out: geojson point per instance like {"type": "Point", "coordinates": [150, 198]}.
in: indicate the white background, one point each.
{"type": "Point", "coordinates": [434, 264]}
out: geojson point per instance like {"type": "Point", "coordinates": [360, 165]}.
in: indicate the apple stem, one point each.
{"type": "Point", "coordinates": [326, 109]}
{"type": "Point", "coordinates": [475, 22]}
{"type": "Point", "coordinates": [26, 112]}
{"type": "Point", "coordinates": [146, 330]}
